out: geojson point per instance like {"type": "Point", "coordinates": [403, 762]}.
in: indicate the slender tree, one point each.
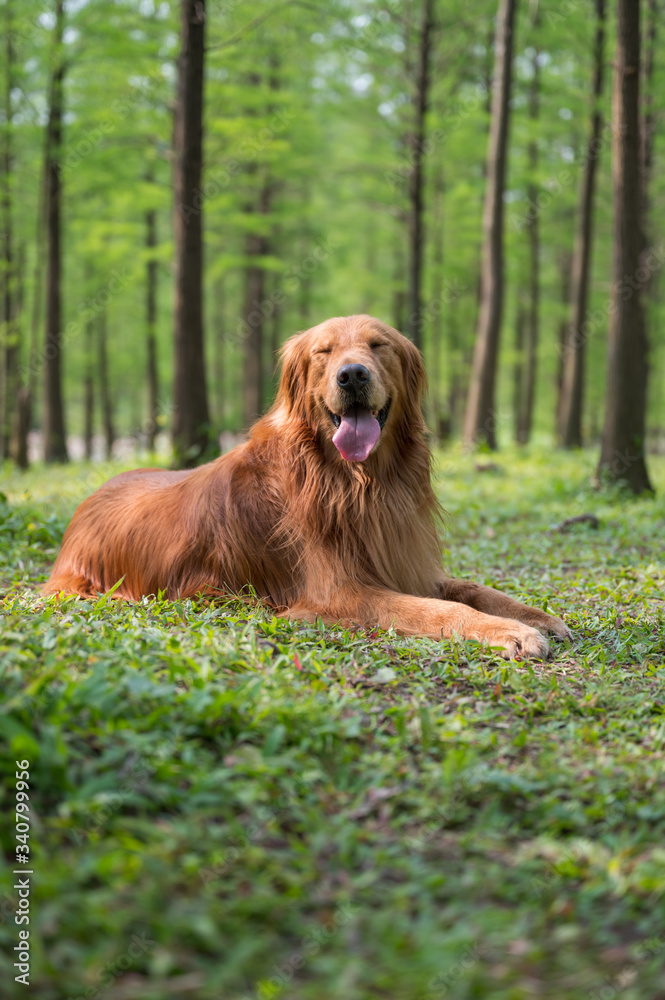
{"type": "Point", "coordinates": [304, 249]}
{"type": "Point", "coordinates": [276, 338]}
{"type": "Point", "coordinates": [654, 10]}
{"type": "Point", "coordinates": [527, 394]}
{"type": "Point", "coordinates": [457, 364]}
{"type": "Point", "coordinates": [257, 247]}
{"type": "Point", "coordinates": [105, 384]}
{"type": "Point", "coordinates": [270, 333]}
{"type": "Point", "coordinates": [416, 184]}
{"type": "Point", "coordinates": [89, 390]}
{"type": "Point", "coordinates": [436, 325]}
{"type": "Point", "coordinates": [648, 130]}
{"type": "Point", "coordinates": [151, 325]}
{"type": "Point", "coordinates": [21, 426]}
{"type": "Point", "coordinates": [53, 425]}
{"type": "Point", "coordinates": [219, 353]}
{"type": "Point", "coordinates": [564, 265]}
{"type": "Point", "coordinates": [480, 416]}
{"type": "Point", "coordinates": [622, 457]}
{"type": "Point", "coordinates": [28, 393]}
{"type": "Point", "coordinates": [399, 297]}
{"type": "Point", "coordinates": [192, 440]}
{"type": "Point", "coordinates": [572, 391]}
{"type": "Point", "coordinates": [519, 368]}
{"type": "Point", "coordinates": [10, 324]}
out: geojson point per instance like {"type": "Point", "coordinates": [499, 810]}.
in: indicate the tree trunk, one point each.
{"type": "Point", "coordinates": [9, 396]}
{"type": "Point", "coordinates": [275, 338]}
{"type": "Point", "coordinates": [305, 278]}
{"type": "Point", "coordinates": [480, 417]}
{"type": "Point", "coordinates": [622, 448]}
{"type": "Point", "coordinates": [18, 448]}
{"type": "Point", "coordinates": [436, 323]}
{"type": "Point", "coordinates": [455, 365]}
{"type": "Point", "coordinates": [105, 387]}
{"type": "Point", "coordinates": [572, 394]}
{"type": "Point", "coordinates": [22, 428]}
{"type": "Point", "coordinates": [648, 116]}
{"type": "Point", "coordinates": [564, 264]}
{"type": "Point", "coordinates": [192, 439]}
{"type": "Point", "coordinates": [219, 356]}
{"type": "Point", "coordinates": [648, 130]}
{"type": "Point", "coordinates": [519, 371]}
{"type": "Point", "coordinates": [399, 298]}
{"type": "Point", "coordinates": [38, 296]}
{"type": "Point", "coordinates": [416, 183]}
{"type": "Point", "coordinates": [53, 427]}
{"type": "Point", "coordinates": [28, 395]}
{"type": "Point", "coordinates": [256, 249]}
{"type": "Point", "coordinates": [89, 390]}
{"type": "Point", "coordinates": [151, 324]}
{"type": "Point", "coordinates": [525, 421]}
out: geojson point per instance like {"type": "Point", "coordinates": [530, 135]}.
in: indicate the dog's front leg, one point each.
{"type": "Point", "coordinates": [437, 619]}
{"type": "Point", "coordinates": [493, 602]}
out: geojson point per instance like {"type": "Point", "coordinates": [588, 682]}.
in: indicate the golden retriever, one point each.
{"type": "Point", "coordinates": [327, 510]}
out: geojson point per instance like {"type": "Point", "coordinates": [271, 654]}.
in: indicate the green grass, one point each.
{"type": "Point", "coordinates": [218, 794]}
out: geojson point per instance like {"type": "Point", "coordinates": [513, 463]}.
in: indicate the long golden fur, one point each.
{"type": "Point", "coordinates": [317, 535]}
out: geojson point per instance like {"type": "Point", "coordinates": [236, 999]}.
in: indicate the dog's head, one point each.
{"type": "Point", "coordinates": [356, 381]}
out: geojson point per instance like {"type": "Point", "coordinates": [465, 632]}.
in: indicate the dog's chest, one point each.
{"type": "Point", "coordinates": [396, 549]}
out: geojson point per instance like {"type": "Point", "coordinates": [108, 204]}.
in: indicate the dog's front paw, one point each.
{"type": "Point", "coordinates": [517, 641]}
{"type": "Point", "coordinates": [520, 641]}
{"type": "Point", "coordinates": [549, 624]}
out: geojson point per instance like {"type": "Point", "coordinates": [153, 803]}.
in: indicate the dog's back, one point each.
{"type": "Point", "coordinates": [207, 530]}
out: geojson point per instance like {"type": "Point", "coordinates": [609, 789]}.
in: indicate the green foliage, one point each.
{"type": "Point", "coordinates": [228, 805]}
{"type": "Point", "coordinates": [317, 105]}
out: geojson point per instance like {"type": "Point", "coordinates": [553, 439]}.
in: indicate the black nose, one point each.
{"type": "Point", "coordinates": [353, 377]}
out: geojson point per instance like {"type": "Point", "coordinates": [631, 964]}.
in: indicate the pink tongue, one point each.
{"type": "Point", "coordinates": [357, 434]}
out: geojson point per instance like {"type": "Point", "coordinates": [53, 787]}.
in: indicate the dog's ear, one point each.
{"type": "Point", "coordinates": [294, 357]}
{"type": "Point", "coordinates": [413, 370]}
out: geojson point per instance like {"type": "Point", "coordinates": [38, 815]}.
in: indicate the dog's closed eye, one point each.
{"type": "Point", "coordinates": [379, 343]}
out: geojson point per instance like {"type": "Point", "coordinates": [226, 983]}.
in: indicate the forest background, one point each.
{"type": "Point", "coordinates": [343, 163]}
{"type": "Point", "coordinates": [279, 809]}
